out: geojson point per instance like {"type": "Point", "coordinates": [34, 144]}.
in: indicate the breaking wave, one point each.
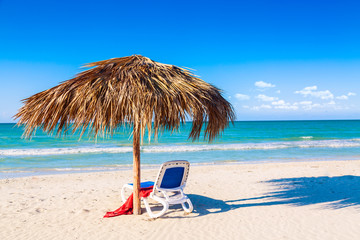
{"type": "Point", "coordinates": [346, 143]}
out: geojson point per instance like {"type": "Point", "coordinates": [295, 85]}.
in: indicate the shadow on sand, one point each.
{"type": "Point", "coordinates": [332, 192]}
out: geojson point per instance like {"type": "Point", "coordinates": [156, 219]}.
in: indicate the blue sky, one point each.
{"type": "Point", "coordinates": [274, 60]}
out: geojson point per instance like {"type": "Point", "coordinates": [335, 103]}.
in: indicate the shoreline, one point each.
{"type": "Point", "coordinates": [9, 174]}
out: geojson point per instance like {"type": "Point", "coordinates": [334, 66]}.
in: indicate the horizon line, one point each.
{"type": "Point", "coordinates": [264, 120]}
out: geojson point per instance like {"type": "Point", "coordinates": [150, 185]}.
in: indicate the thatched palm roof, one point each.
{"type": "Point", "coordinates": [134, 90]}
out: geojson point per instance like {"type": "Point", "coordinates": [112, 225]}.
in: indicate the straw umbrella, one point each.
{"type": "Point", "coordinates": [131, 90]}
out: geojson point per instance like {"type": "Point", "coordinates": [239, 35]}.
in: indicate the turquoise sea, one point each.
{"type": "Point", "coordinates": [245, 141]}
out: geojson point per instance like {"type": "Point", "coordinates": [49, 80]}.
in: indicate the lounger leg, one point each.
{"type": "Point", "coordinates": [162, 212]}
{"type": "Point", "coordinates": [123, 194]}
{"type": "Point", "coordinates": [190, 209]}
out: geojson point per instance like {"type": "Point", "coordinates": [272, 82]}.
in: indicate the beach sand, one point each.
{"type": "Point", "coordinates": [303, 200]}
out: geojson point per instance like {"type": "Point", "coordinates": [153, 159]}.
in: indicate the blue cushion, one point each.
{"type": "Point", "coordinates": [172, 177]}
{"type": "Point", "coordinates": [145, 184]}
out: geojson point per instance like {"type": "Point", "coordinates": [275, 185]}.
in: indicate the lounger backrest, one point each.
{"type": "Point", "coordinates": [172, 174]}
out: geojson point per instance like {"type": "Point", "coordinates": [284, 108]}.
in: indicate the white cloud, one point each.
{"type": "Point", "coordinates": [262, 84]}
{"type": "Point", "coordinates": [312, 88]}
{"type": "Point", "coordinates": [287, 107]}
{"type": "Point", "coordinates": [342, 97]}
{"type": "Point", "coordinates": [346, 97]}
{"type": "Point", "coordinates": [306, 105]}
{"type": "Point", "coordinates": [311, 106]}
{"type": "Point", "coordinates": [240, 96]}
{"type": "Point", "coordinates": [280, 102]}
{"type": "Point", "coordinates": [265, 98]}
{"type": "Point", "coordinates": [323, 94]}
{"type": "Point", "coordinates": [263, 106]}
{"type": "Point", "coordinates": [310, 91]}
{"type": "Point", "coordinates": [305, 102]}
{"type": "Point", "coordinates": [278, 91]}
{"type": "Point", "coordinates": [266, 106]}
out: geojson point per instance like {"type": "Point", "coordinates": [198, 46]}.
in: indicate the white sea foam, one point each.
{"type": "Point", "coordinates": [346, 143]}
{"type": "Point", "coordinates": [57, 151]}
{"type": "Point", "coordinates": [307, 137]}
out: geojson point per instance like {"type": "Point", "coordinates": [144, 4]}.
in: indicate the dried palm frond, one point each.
{"type": "Point", "coordinates": [129, 90]}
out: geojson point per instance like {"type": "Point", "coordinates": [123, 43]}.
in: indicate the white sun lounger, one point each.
{"type": "Point", "coordinates": [168, 187]}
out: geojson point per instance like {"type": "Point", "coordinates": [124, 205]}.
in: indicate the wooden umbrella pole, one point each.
{"type": "Point", "coordinates": [136, 165]}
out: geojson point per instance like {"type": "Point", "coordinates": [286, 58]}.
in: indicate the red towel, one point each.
{"type": "Point", "coordinates": [127, 207]}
